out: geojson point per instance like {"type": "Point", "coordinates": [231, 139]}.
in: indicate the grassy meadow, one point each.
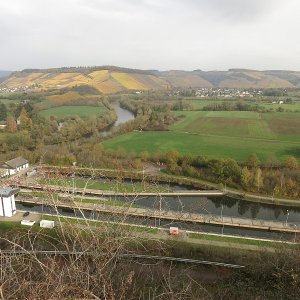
{"type": "Point", "coordinates": [81, 111]}
{"type": "Point", "coordinates": [198, 104]}
{"type": "Point", "coordinates": [221, 134]}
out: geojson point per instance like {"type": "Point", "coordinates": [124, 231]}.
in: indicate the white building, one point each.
{"type": "Point", "coordinates": [14, 166]}
{"type": "Point", "coordinates": [7, 202]}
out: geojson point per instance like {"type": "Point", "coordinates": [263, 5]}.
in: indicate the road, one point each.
{"type": "Point", "coordinates": [163, 235]}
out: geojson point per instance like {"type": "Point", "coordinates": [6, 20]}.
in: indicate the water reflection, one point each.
{"type": "Point", "coordinates": [212, 206]}
{"type": "Point", "coordinates": [156, 222]}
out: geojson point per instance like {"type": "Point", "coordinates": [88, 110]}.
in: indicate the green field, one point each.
{"type": "Point", "coordinates": [221, 134]}
{"type": "Point", "coordinates": [198, 104]}
{"type": "Point", "coordinates": [292, 107]}
{"type": "Point", "coordinates": [81, 111]}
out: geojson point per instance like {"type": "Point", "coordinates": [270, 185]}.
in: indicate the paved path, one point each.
{"type": "Point", "coordinates": [162, 235]}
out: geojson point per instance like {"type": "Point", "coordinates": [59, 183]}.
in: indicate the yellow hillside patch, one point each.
{"type": "Point", "coordinates": [100, 75]}
{"type": "Point", "coordinates": [64, 98]}
{"type": "Point", "coordinates": [34, 76]}
{"type": "Point", "coordinates": [100, 80]}
{"type": "Point", "coordinates": [107, 87]}
{"type": "Point", "coordinates": [129, 82]}
{"type": "Point", "coordinates": [66, 76]}
{"type": "Point", "coordinates": [254, 75]}
{"type": "Point", "coordinates": [26, 79]}
{"type": "Point", "coordinates": [159, 81]}
{"type": "Point", "coordinates": [65, 80]}
{"type": "Point", "coordinates": [78, 80]}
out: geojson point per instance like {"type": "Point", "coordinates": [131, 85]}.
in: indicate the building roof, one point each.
{"type": "Point", "coordinates": [15, 163]}
{"type": "Point", "coordinates": [7, 192]}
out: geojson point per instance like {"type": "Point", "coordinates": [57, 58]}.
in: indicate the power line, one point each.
{"type": "Point", "coordinates": [122, 255]}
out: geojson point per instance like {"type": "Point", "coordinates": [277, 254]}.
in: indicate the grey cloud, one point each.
{"type": "Point", "coordinates": [233, 10]}
{"type": "Point", "coordinates": [164, 34]}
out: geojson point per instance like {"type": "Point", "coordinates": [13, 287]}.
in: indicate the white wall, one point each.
{"type": "Point", "coordinates": [7, 206]}
{"type": "Point", "coordinates": [13, 202]}
{"type": "Point", "coordinates": [8, 172]}
{"type": "Point", "coordinates": [3, 172]}
{"type": "Point", "coordinates": [22, 167]}
{"type": "Point", "coordinates": [11, 172]}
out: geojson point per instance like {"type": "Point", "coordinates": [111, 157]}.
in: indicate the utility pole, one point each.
{"type": "Point", "coordinates": [287, 217]}
{"type": "Point", "coordinates": [73, 178]}
{"type": "Point", "coordinates": [159, 210]}
{"type": "Point", "coordinates": [222, 218]}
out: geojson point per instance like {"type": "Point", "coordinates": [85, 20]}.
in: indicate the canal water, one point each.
{"type": "Point", "coordinates": [212, 205]}
{"type": "Point", "coordinates": [203, 205]}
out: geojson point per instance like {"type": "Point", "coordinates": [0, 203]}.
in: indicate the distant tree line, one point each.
{"type": "Point", "coordinates": [87, 70]}
{"type": "Point", "coordinates": [275, 92]}
{"type": "Point", "coordinates": [234, 106]}
{"type": "Point", "coordinates": [271, 178]}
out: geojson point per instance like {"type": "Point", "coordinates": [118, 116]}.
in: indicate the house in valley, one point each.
{"type": "Point", "coordinates": [14, 166]}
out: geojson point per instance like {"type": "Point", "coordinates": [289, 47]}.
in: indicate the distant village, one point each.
{"type": "Point", "coordinates": [217, 92]}
{"type": "Point", "coordinates": [227, 93]}
{"type": "Point", "coordinates": [22, 88]}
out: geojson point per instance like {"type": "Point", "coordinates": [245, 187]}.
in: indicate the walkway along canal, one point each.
{"type": "Point", "coordinates": [215, 215]}
{"type": "Point", "coordinates": [172, 216]}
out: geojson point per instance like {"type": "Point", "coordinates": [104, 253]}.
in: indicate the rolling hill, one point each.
{"type": "Point", "coordinates": [109, 79]}
{"type": "Point", "coordinates": [233, 78]}
{"type": "Point", "coordinates": [104, 79]}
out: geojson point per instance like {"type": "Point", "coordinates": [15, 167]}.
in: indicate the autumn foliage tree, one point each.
{"type": "Point", "coordinates": [291, 163]}
{"type": "Point", "coordinates": [25, 121]}
{"type": "Point", "coordinates": [11, 124]}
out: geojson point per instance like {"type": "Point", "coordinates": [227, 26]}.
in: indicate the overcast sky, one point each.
{"type": "Point", "coordinates": [150, 34]}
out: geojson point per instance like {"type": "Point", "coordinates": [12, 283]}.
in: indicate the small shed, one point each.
{"type": "Point", "coordinates": [27, 222]}
{"type": "Point", "coordinates": [7, 202]}
{"type": "Point", "coordinates": [15, 165]}
{"type": "Point", "coordinates": [47, 224]}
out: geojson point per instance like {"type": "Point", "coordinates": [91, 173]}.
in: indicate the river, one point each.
{"type": "Point", "coordinates": [124, 115]}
